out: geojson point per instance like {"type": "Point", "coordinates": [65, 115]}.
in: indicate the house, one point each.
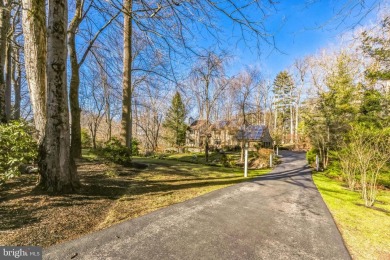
{"type": "Point", "coordinates": [196, 133]}
{"type": "Point", "coordinates": [226, 133]}
{"type": "Point", "coordinates": [223, 133]}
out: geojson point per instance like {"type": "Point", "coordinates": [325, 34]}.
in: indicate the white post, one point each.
{"type": "Point", "coordinates": [270, 160]}
{"type": "Point", "coordinates": [277, 150]}
{"type": "Point", "coordinates": [246, 161]}
{"type": "Point", "coordinates": [317, 162]}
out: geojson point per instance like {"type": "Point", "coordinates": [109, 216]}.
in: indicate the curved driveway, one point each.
{"type": "Point", "coordinates": [277, 216]}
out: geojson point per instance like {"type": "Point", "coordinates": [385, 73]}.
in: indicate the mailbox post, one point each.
{"type": "Point", "coordinates": [246, 160]}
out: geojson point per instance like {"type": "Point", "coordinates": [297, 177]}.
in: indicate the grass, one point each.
{"type": "Point", "coordinates": [232, 159]}
{"type": "Point", "coordinates": [167, 182]}
{"type": "Point", "coordinates": [110, 194]}
{"type": "Point", "coordinates": [365, 230]}
{"type": "Point", "coordinates": [384, 178]}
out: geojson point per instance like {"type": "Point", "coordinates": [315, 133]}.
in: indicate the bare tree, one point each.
{"type": "Point", "coordinates": [150, 115]}
{"type": "Point", "coordinates": [95, 113]}
{"type": "Point", "coordinates": [79, 15]}
{"type": "Point", "coordinates": [301, 67]}
{"type": "Point", "coordinates": [242, 88]}
{"type": "Point", "coordinates": [262, 101]}
{"type": "Point", "coordinates": [209, 74]}
{"type": "Point", "coordinates": [368, 154]}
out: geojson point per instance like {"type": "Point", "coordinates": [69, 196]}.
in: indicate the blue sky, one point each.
{"type": "Point", "coordinates": [300, 29]}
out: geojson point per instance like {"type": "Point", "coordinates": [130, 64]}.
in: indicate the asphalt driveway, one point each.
{"type": "Point", "coordinates": [277, 216]}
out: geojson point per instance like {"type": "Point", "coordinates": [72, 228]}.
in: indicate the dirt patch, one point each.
{"type": "Point", "coordinates": [29, 217]}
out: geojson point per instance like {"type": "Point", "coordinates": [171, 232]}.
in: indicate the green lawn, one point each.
{"type": "Point", "coordinates": [366, 231]}
{"type": "Point", "coordinates": [166, 182]}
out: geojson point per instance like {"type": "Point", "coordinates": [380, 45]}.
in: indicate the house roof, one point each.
{"type": "Point", "coordinates": [197, 124]}
{"type": "Point", "coordinates": [252, 132]}
{"type": "Point", "coordinates": [224, 124]}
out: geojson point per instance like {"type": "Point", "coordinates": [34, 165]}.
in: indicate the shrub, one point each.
{"type": "Point", "coordinates": [311, 157]}
{"type": "Point", "coordinates": [369, 149]}
{"type": "Point", "coordinates": [115, 152]}
{"type": "Point", "coordinates": [231, 148]}
{"type": "Point", "coordinates": [17, 147]}
{"type": "Point", "coordinates": [334, 170]}
{"type": "Point", "coordinates": [258, 145]}
{"type": "Point", "coordinates": [225, 160]}
{"type": "Point", "coordinates": [86, 139]}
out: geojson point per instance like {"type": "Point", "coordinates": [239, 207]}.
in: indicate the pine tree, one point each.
{"type": "Point", "coordinates": [284, 90]}
{"type": "Point", "coordinates": [175, 121]}
{"type": "Point", "coordinates": [283, 85]}
{"type": "Point", "coordinates": [377, 46]}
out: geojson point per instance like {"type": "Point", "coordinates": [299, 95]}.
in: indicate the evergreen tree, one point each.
{"type": "Point", "coordinates": [377, 46]}
{"type": "Point", "coordinates": [283, 89]}
{"type": "Point", "coordinates": [175, 121]}
{"type": "Point", "coordinates": [285, 96]}
{"type": "Point", "coordinates": [335, 109]}
{"type": "Point", "coordinates": [370, 111]}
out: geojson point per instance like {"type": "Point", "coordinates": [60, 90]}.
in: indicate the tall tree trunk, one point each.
{"type": "Point", "coordinates": [137, 120]}
{"type": "Point", "coordinates": [291, 125]}
{"type": "Point", "coordinates": [92, 130]}
{"type": "Point", "coordinates": [276, 119]}
{"type": "Point", "coordinates": [4, 22]}
{"type": "Point", "coordinates": [296, 122]}
{"type": "Point", "coordinates": [206, 148]}
{"type": "Point", "coordinates": [75, 110]}
{"type": "Point", "coordinates": [127, 120]}
{"type": "Point", "coordinates": [57, 167]}
{"type": "Point", "coordinates": [265, 113]}
{"type": "Point", "coordinates": [34, 31]}
{"type": "Point", "coordinates": [8, 80]}
{"type": "Point", "coordinates": [107, 108]}
{"type": "Point", "coordinates": [17, 81]}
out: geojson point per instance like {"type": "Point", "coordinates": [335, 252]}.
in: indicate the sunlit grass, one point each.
{"type": "Point", "coordinates": [365, 230]}
{"type": "Point", "coordinates": [215, 158]}
{"type": "Point", "coordinates": [166, 182]}
{"type": "Point", "coordinates": [89, 154]}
